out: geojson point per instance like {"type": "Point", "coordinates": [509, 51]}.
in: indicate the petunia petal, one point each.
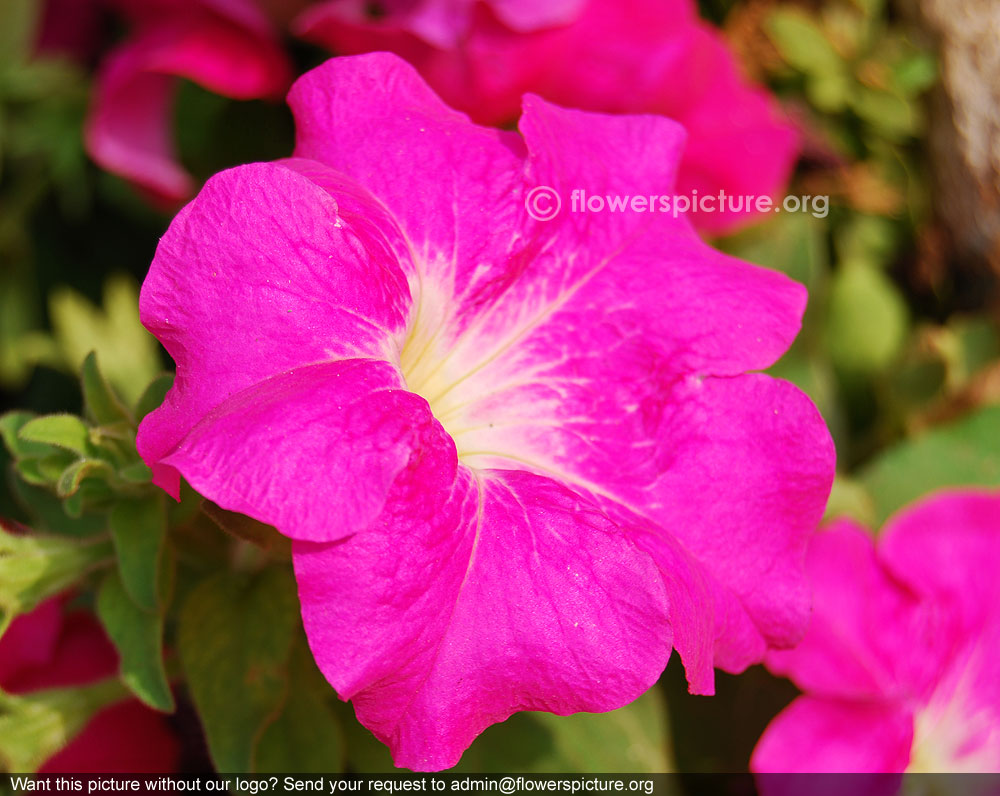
{"type": "Point", "coordinates": [29, 642]}
{"type": "Point", "coordinates": [125, 738]}
{"type": "Point", "coordinates": [475, 596]}
{"type": "Point", "coordinates": [48, 649]}
{"type": "Point", "coordinates": [450, 184]}
{"type": "Point", "coordinates": [313, 451]}
{"type": "Point", "coordinates": [869, 636]}
{"type": "Point", "coordinates": [521, 376]}
{"type": "Point", "coordinates": [607, 56]}
{"type": "Point", "coordinates": [820, 735]}
{"type": "Point", "coordinates": [81, 655]}
{"type": "Point", "coordinates": [260, 274]}
{"type": "Point", "coordinates": [737, 470]}
{"type": "Point", "coordinates": [751, 468]}
{"type": "Point", "coordinates": [128, 130]}
{"type": "Point", "coordinates": [947, 548]}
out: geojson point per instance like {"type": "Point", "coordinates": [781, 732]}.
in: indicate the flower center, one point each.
{"type": "Point", "coordinates": [956, 731]}
{"type": "Point", "coordinates": [436, 369]}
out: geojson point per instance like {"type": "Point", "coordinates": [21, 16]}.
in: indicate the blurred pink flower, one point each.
{"type": "Point", "coordinates": [901, 664]}
{"type": "Point", "coordinates": [54, 648]}
{"type": "Point", "coordinates": [518, 459]}
{"type": "Point", "coordinates": [446, 23]}
{"type": "Point", "coordinates": [646, 56]}
{"type": "Point", "coordinates": [226, 46]}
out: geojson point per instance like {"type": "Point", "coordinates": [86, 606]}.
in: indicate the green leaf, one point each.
{"type": "Point", "coordinates": [138, 637]}
{"type": "Point", "coordinates": [831, 92]}
{"type": "Point", "coordinates": [48, 513]}
{"type": "Point", "coordinates": [153, 395]}
{"type": "Point", "coordinates": [234, 638]}
{"type": "Point", "coordinates": [136, 473]}
{"type": "Point", "coordinates": [139, 527]}
{"type": "Point", "coordinates": [802, 43]}
{"type": "Point", "coordinates": [128, 353]}
{"type": "Point", "coordinates": [849, 498]}
{"type": "Point", "coordinates": [306, 737]}
{"type": "Point", "coordinates": [915, 74]}
{"type": "Point", "coordinates": [365, 753]}
{"type": "Point", "coordinates": [34, 567]}
{"type": "Point", "coordinates": [633, 739]}
{"type": "Point", "coordinates": [10, 424]}
{"type": "Point", "coordinates": [44, 77]}
{"type": "Point", "coordinates": [52, 467]}
{"type": "Point", "coordinates": [793, 243]}
{"type": "Point", "coordinates": [35, 726]}
{"type": "Point", "coordinates": [31, 472]}
{"type": "Point", "coordinates": [966, 453]}
{"type": "Point", "coordinates": [71, 478]}
{"type": "Point", "coordinates": [867, 320]}
{"type": "Point", "coordinates": [100, 401]}
{"type": "Point", "coordinates": [872, 239]}
{"type": "Point", "coordinates": [63, 431]}
{"type": "Point", "coordinates": [888, 113]}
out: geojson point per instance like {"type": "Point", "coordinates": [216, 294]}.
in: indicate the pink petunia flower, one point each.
{"type": "Point", "coordinates": [444, 23]}
{"type": "Point", "coordinates": [901, 664]}
{"type": "Point", "coordinates": [643, 56]}
{"type": "Point", "coordinates": [226, 46]}
{"type": "Point", "coordinates": [54, 648]}
{"type": "Point", "coordinates": [518, 459]}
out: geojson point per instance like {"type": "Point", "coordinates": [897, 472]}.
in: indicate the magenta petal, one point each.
{"type": "Point", "coordinates": [601, 55]}
{"type": "Point", "coordinates": [258, 275]}
{"type": "Point", "coordinates": [125, 738]}
{"type": "Point", "coordinates": [470, 600]}
{"type": "Point", "coordinates": [449, 184]}
{"type": "Point", "coordinates": [692, 612]}
{"type": "Point", "coordinates": [738, 140]}
{"type": "Point", "coordinates": [947, 548]}
{"type": "Point", "coordinates": [30, 642]}
{"type": "Point", "coordinates": [312, 451]}
{"type": "Point", "coordinates": [820, 735]}
{"type": "Point", "coordinates": [912, 623]}
{"type": "Point", "coordinates": [128, 131]}
{"type": "Point", "coordinates": [869, 637]}
{"type": "Point", "coordinates": [527, 15]}
{"type": "Point", "coordinates": [731, 473]}
{"type": "Point", "coordinates": [751, 468]}
{"type": "Point", "coordinates": [715, 313]}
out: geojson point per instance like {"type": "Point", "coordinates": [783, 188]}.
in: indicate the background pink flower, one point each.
{"type": "Point", "coordinates": [55, 648]}
{"type": "Point", "coordinates": [504, 448]}
{"type": "Point", "coordinates": [226, 46]}
{"type": "Point", "coordinates": [637, 57]}
{"type": "Point", "coordinates": [900, 665]}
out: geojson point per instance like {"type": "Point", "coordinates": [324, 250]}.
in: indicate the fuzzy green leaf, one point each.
{"type": "Point", "coordinates": [64, 431]}
{"type": "Point", "coordinates": [139, 527]}
{"type": "Point", "coordinates": [138, 637]}
{"type": "Point", "coordinates": [98, 397]}
{"type": "Point", "coordinates": [234, 639]}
